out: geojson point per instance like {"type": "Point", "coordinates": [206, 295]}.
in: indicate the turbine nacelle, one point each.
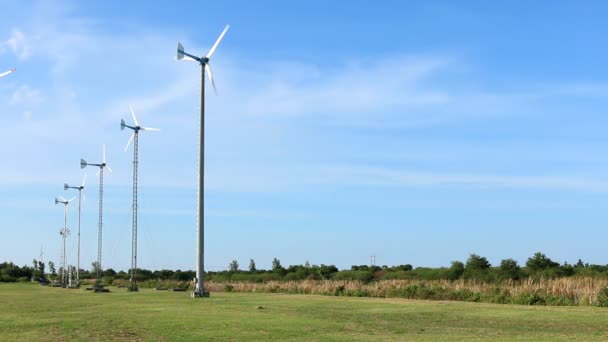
{"type": "Point", "coordinates": [63, 200]}
{"type": "Point", "coordinates": [83, 163]}
{"type": "Point", "coordinates": [135, 128]}
{"type": "Point", "coordinates": [204, 60]}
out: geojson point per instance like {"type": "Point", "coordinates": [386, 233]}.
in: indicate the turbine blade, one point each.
{"type": "Point", "coordinates": [8, 72]}
{"type": "Point", "coordinates": [104, 153]}
{"type": "Point", "coordinates": [84, 198]}
{"type": "Point", "coordinates": [84, 180]}
{"type": "Point", "coordinates": [149, 129]}
{"type": "Point", "coordinates": [71, 199]}
{"type": "Point", "coordinates": [107, 167]}
{"type": "Point", "coordinates": [130, 140]}
{"type": "Point", "coordinates": [208, 69]}
{"type": "Point", "coordinates": [62, 199]}
{"type": "Point", "coordinates": [134, 118]}
{"type": "Point", "coordinates": [217, 42]}
{"type": "Point", "coordinates": [98, 171]}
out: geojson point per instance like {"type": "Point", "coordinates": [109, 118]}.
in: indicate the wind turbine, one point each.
{"type": "Point", "coordinates": [101, 166]}
{"type": "Point", "coordinates": [134, 138]}
{"type": "Point", "coordinates": [64, 232]}
{"type": "Point", "coordinates": [80, 189]}
{"type": "Point", "coordinates": [8, 72]}
{"type": "Point", "coordinates": [199, 290]}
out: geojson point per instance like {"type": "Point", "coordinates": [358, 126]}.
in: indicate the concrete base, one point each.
{"type": "Point", "coordinates": [199, 294]}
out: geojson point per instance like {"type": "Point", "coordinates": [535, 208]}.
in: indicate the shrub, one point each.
{"type": "Point", "coordinates": [602, 297]}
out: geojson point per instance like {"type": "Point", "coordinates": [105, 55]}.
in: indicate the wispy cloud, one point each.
{"type": "Point", "coordinates": [17, 43]}
{"type": "Point", "coordinates": [92, 77]}
{"type": "Point", "coordinates": [26, 95]}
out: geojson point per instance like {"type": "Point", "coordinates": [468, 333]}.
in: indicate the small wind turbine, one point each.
{"type": "Point", "coordinates": [64, 233]}
{"type": "Point", "coordinates": [101, 166]}
{"type": "Point", "coordinates": [8, 72]}
{"type": "Point", "coordinates": [134, 138]}
{"type": "Point", "coordinates": [80, 197]}
{"type": "Point", "coordinates": [199, 290]}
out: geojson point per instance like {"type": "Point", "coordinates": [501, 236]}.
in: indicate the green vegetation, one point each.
{"type": "Point", "coordinates": [36, 313]}
{"type": "Point", "coordinates": [541, 281]}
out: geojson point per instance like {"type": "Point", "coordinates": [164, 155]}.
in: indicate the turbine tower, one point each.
{"type": "Point", "coordinates": [101, 166]}
{"type": "Point", "coordinates": [64, 232]}
{"type": "Point", "coordinates": [199, 289]}
{"type": "Point", "coordinates": [80, 197]}
{"type": "Point", "coordinates": [134, 138]}
{"type": "Point", "coordinates": [8, 72]}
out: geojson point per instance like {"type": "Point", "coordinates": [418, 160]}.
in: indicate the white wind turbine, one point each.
{"type": "Point", "coordinates": [80, 189]}
{"type": "Point", "coordinates": [134, 138]}
{"type": "Point", "coordinates": [102, 165]}
{"type": "Point", "coordinates": [64, 232]}
{"type": "Point", "coordinates": [8, 72]}
{"type": "Point", "coordinates": [199, 290]}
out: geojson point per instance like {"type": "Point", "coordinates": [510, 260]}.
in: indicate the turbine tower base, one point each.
{"type": "Point", "coordinates": [200, 294]}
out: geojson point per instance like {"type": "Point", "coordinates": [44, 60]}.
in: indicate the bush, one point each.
{"type": "Point", "coordinates": [602, 297]}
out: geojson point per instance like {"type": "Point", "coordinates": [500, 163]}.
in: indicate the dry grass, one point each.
{"type": "Point", "coordinates": [563, 291]}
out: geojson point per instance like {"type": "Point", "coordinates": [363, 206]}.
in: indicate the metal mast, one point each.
{"type": "Point", "coordinates": [64, 233]}
{"type": "Point", "coordinates": [100, 225]}
{"type": "Point", "coordinates": [80, 194]}
{"type": "Point", "coordinates": [135, 139]}
{"type": "Point", "coordinates": [199, 290]}
{"type": "Point", "coordinates": [78, 259]}
{"type": "Point", "coordinates": [101, 166]}
{"type": "Point", "coordinates": [134, 231]}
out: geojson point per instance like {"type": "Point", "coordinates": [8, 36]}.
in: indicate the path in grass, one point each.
{"type": "Point", "coordinates": [32, 312]}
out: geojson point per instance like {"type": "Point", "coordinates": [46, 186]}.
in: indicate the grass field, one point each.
{"type": "Point", "coordinates": [32, 313]}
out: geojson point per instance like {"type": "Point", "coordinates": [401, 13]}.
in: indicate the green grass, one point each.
{"type": "Point", "coordinates": [35, 313]}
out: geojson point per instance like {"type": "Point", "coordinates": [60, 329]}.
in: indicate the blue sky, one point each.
{"type": "Point", "coordinates": [420, 132]}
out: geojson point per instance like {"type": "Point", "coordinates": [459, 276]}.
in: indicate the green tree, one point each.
{"type": "Point", "coordinates": [52, 269]}
{"type": "Point", "coordinates": [477, 268]}
{"type": "Point", "coordinates": [509, 269]}
{"type": "Point", "coordinates": [539, 262]}
{"type": "Point", "coordinates": [276, 265]}
{"type": "Point", "coordinates": [456, 270]}
{"type": "Point", "coordinates": [234, 266]}
{"type": "Point", "coordinates": [95, 268]}
{"type": "Point", "coordinates": [36, 271]}
{"type": "Point", "coordinates": [251, 265]}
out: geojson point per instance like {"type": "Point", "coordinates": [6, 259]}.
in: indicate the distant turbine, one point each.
{"type": "Point", "coordinates": [199, 290]}
{"type": "Point", "coordinates": [101, 166]}
{"type": "Point", "coordinates": [134, 138]}
{"type": "Point", "coordinates": [80, 197]}
{"type": "Point", "coordinates": [8, 72]}
{"type": "Point", "coordinates": [64, 232]}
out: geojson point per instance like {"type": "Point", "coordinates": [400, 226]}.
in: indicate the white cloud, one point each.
{"type": "Point", "coordinates": [18, 44]}
{"type": "Point", "coordinates": [25, 95]}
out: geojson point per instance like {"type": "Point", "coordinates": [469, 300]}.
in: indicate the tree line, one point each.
{"type": "Point", "coordinates": [475, 267]}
